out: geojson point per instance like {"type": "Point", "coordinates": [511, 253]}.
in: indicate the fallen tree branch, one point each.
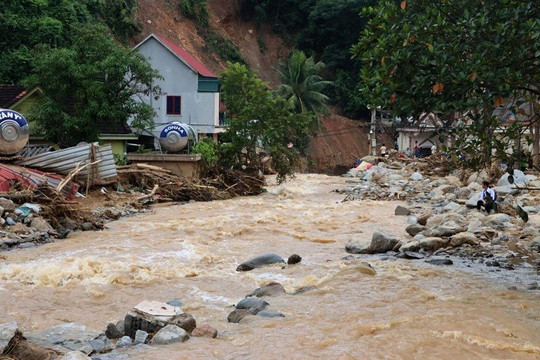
{"type": "Point", "coordinates": [152, 193]}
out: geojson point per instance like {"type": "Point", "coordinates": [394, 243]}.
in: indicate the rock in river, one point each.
{"type": "Point", "coordinates": [260, 261]}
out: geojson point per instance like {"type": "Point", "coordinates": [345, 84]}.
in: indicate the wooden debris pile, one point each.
{"type": "Point", "coordinates": [165, 186]}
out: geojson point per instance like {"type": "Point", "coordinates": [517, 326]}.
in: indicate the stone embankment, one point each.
{"type": "Point", "coordinates": [443, 219]}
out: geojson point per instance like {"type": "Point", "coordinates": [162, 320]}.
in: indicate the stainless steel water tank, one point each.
{"type": "Point", "coordinates": [14, 132]}
{"type": "Point", "coordinates": [176, 136]}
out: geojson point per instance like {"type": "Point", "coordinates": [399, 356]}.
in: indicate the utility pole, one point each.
{"type": "Point", "coordinates": [373, 132]}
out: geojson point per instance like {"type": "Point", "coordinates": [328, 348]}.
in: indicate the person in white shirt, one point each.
{"type": "Point", "coordinates": [383, 150]}
{"type": "Point", "coordinates": [487, 198]}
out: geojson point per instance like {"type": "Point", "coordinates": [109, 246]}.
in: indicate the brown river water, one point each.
{"type": "Point", "coordinates": [408, 310]}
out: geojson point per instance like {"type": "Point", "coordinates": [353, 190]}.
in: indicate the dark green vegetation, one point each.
{"type": "Point", "coordinates": [456, 57]}
{"type": "Point", "coordinates": [261, 123]}
{"type": "Point", "coordinates": [325, 30]}
{"type": "Point", "coordinates": [93, 81]}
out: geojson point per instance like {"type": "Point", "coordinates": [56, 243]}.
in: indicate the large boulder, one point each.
{"type": "Point", "coordinates": [497, 221]}
{"type": "Point", "coordinates": [449, 229]}
{"type": "Point", "coordinates": [272, 289]}
{"type": "Point", "coordinates": [170, 334]}
{"type": "Point", "coordinates": [7, 332]}
{"type": "Point", "coordinates": [151, 316]}
{"type": "Point", "coordinates": [464, 238]}
{"type": "Point", "coordinates": [473, 200]}
{"type": "Point", "coordinates": [380, 243]}
{"type": "Point", "coordinates": [519, 179]}
{"type": "Point", "coordinates": [428, 244]}
{"type": "Point", "coordinates": [64, 337]}
{"type": "Point", "coordinates": [414, 229]}
{"type": "Point", "coordinates": [416, 176]}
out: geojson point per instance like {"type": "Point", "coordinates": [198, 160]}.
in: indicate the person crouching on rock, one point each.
{"type": "Point", "coordinates": [487, 198]}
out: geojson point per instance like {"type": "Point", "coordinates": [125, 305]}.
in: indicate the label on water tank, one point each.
{"type": "Point", "coordinates": [12, 115]}
{"type": "Point", "coordinates": [173, 127]}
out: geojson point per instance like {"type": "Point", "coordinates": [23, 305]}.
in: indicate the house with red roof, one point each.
{"type": "Point", "coordinates": [189, 90]}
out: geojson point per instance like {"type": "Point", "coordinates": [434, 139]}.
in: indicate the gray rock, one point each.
{"type": "Point", "coordinates": [260, 261]}
{"type": "Point", "coordinates": [473, 200]}
{"type": "Point", "coordinates": [443, 231]}
{"type": "Point", "coordinates": [414, 229]}
{"type": "Point", "coordinates": [7, 204]}
{"type": "Point", "coordinates": [87, 226]}
{"type": "Point", "coordinates": [519, 179]}
{"type": "Point", "coordinates": [530, 209]}
{"type": "Point", "coordinates": [272, 289]}
{"type": "Point", "coordinates": [70, 336]}
{"type": "Point", "coordinates": [496, 221]}
{"type": "Point", "coordinates": [112, 332]}
{"type": "Point", "coordinates": [505, 190]}
{"type": "Point", "coordinates": [253, 304]}
{"type": "Point", "coordinates": [140, 337]}
{"type": "Point", "coordinates": [175, 302]}
{"type": "Point", "coordinates": [40, 224]}
{"type": "Point", "coordinates": [464, 193]}
{"type": "Point", "coordinates": [112, 356]}
{"type": "Point", "coordinates": [10, 221]}
{"type": "Point", "coordinates": [501, 239]}
{"type": "Point", "coordinates": [124, 341]}
{"type": "Point", "coordinates": [464, 238]}
{"type": "Point", "coordinates": [151, 316]}
{"type": "Point", "coordinates": [74, 355]}
{"type": "Point", "coordinates": [400, 210]}
{"type": "Point", "coordinates": [170, 334]}
{"type": "Point", "coordinates": [428, 243]}
{"type": "Point", "coordinates": [102, 344]}
{"type": "Point", "coordinates": [439, 261]}
{"type": "Point", "coordinates": [270, 314]}
{"type": "Point", "coordinates": [416, 176]}
{"type": "Point", "coordinates": [359, 246]}
{"type": "Point", "coordinates": [451, 206]}
{"type": "Point", "coordinates": [7, 332]}
{"type": "Point", "coordinates": [410, 255]}
{"type": "Point", "coordinates": [381, 243]}
{"type": "Point", "coordinates": [237, 315]}
{"type": "Point", "coordinates": [424, 216]}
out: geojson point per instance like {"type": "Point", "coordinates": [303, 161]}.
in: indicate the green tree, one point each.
{"type": "Point", "coordinates": [302, 85]}
{"type": "Point", "coordinates": [260, 122]}
{"type": "Point", "coordinates": [452, 56]}
{"type": "Point", "coordinates": [93, 81]}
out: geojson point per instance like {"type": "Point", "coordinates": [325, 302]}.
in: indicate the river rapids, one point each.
{"type": "Point", "coordinates": [408, 310]}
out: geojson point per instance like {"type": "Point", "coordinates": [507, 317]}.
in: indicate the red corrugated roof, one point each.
{"type": "Point", "coordinates": [187, 57]}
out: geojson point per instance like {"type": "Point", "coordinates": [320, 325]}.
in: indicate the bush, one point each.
{"type": "Point", "coordinates": [196, 10]}
{"type": "Point", "coordinates": [209, 158]}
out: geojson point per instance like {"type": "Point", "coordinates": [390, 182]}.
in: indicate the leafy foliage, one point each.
{"type": "Point", "coordinates": [94, 81]}
{"type": "Point", "coordinates": [209, 157]}
{"type": "Point", "coordinates": [196, 10]}
{"type": "Point", "coordinates": [260, 123]}
{"type": "Point", "coordinates": [29, 23]}
{"type": "Point", "coordinates": [302, 85]}
{"type": "Point", "coordinates": [452, 56]}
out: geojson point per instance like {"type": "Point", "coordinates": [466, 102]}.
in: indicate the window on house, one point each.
{"type": "Point", "coordinates": [174, 106]}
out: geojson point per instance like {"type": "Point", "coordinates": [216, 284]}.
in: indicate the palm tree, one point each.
{"type": "Point", "coordinates": [301, 83]}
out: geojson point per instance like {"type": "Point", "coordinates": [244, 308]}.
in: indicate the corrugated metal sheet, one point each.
{"type": "Point", "coordinates": [65, 160]}
{"type": "Point", "coordinates": [32, 179]}
{"type": "Point", "coordinates": [33, 150]}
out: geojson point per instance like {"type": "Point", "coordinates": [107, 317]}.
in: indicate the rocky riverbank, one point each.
{"type": "Point", "coordinates": [442, 216]}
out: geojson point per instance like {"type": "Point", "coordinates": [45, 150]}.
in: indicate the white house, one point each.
{"type": "Point", "coordinates": [189, 90]}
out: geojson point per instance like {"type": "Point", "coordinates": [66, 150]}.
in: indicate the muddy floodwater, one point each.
{"type": "Point", "coordinates": [408, 310]}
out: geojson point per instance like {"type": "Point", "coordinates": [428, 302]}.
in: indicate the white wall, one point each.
{"type": "Point", "coordinates": [200, 110]}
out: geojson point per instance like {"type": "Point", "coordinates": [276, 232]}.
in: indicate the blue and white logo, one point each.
{"type": "Point", "coordinates": [12, 115]}
{"type": "Point", "coordinates": [179, 129]}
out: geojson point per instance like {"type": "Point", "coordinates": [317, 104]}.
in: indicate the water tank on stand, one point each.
{"type": "Point", "coordinates": [14, 132]}
{"type": "Point", "coordinates": [176, 137]}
